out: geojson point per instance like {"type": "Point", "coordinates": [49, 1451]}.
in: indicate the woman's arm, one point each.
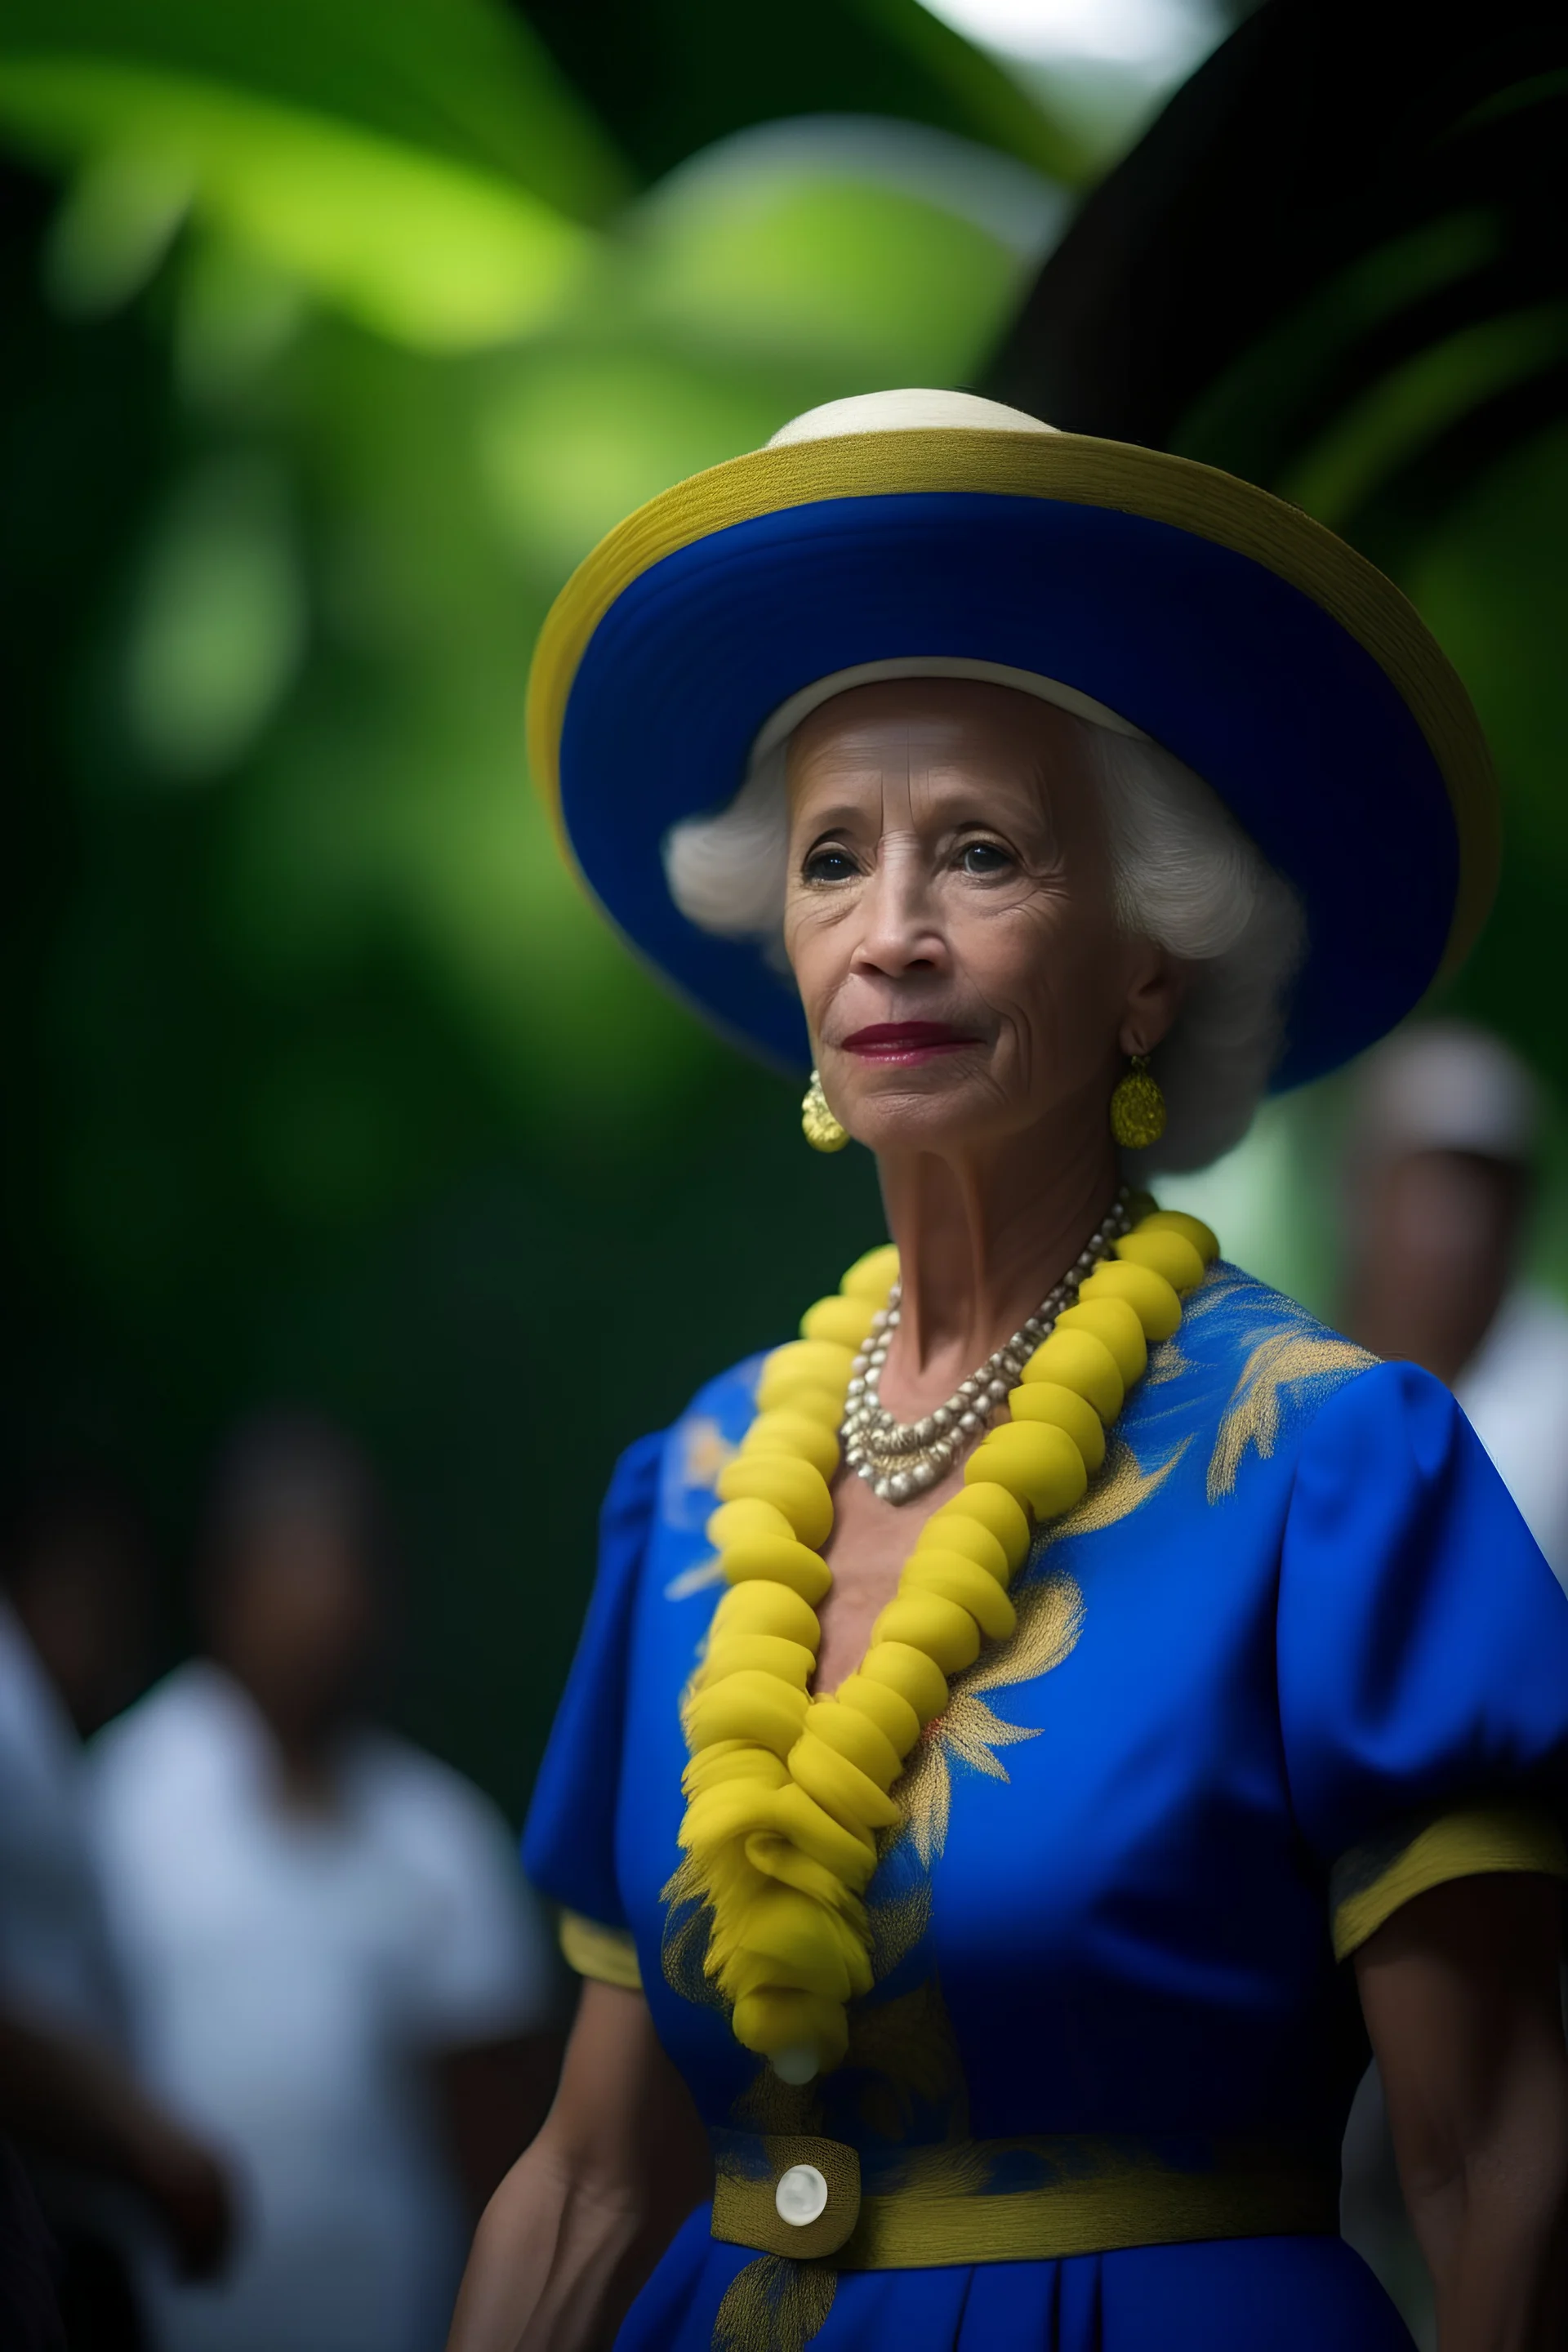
{"type": "Point", "coordinates": [494, 2097]}
{"type": "Point", "coordinates": [1460, 1993]}
{"type": "Point", "coordinates": [583, 2216]}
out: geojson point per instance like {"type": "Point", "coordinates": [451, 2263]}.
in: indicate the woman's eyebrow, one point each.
{"type": "Point", "coordinates": [835, 817]}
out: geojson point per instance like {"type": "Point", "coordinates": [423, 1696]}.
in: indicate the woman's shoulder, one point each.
{"type": "Point", "coordinates": [1242, 1380]}
{"type": "Point", "coordinates": [1233, 1317]}
{"type": "Point", "coordinates": [1245, 1339]}
{"type": "Point", "coordinates": [718, 1415]}
{"type": "Point", "coordinates": [1266, 1382]}
{"type": "Point", "coordinates": [669, 1476]}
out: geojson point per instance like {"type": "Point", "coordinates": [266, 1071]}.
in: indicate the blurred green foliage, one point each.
{"type": "Point", "coordinates": [336, 334]}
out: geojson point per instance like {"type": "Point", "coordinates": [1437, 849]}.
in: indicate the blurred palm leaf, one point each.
{"type": "Point", "coordinates": [1337, 265]}
{"type": "Point", "coordinates": [458, 79]}
{"type": "Point", "coordinates": [671, 77]}
{"type": "Point", "coordinates": [426, 167]}
{"type": "Point", "coordinates": [1345, 186]}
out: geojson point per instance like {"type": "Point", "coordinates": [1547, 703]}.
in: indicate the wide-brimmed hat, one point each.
{"type": "Point", "coordinates": [936, 534]}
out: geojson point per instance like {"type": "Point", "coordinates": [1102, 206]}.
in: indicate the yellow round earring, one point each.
{"type": "Point", "coordinates": [1137, 1107]}
{"type": "Point", "coordinates": [821, 1130]}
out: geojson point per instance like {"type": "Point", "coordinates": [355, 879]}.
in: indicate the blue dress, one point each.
{"type": "Point", "coordinates": [1294, 1658]}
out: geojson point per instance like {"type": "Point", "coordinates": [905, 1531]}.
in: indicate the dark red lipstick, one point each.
{"type": "Point", "coordinates": [907, 1042]}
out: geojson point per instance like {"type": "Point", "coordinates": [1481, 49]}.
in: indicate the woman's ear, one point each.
{"type": "Point", "coordinates": [1152, 1002]}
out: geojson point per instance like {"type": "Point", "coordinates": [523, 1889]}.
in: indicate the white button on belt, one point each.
{"type": "Point", "coordinates": [801, 2195]}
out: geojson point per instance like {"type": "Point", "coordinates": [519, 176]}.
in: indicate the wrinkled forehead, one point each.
{"type": "Point", "coordinates": [938, 736]}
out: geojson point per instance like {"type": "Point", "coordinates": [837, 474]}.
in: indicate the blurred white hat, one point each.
{"type": "Point", "coordinates": [1444, 1086]}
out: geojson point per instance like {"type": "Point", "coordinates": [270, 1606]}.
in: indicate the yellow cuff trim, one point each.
{"type": "Point", "coordinates": [606, 1954]}
{"type": "Point", "coordinates": [1372, 1882]}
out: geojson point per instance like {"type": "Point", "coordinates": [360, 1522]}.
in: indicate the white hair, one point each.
{"type": "Point", "coordinates": [1185, 876]}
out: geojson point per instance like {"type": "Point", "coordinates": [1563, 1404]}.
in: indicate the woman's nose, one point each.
{"type": "Point", "coordinates": [898, 930]}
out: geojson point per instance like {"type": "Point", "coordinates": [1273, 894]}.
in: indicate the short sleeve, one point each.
{"type": "Point", "coordinates": [569, 1845]}
{"type": "Point", "coordinates": [1423, 1657]}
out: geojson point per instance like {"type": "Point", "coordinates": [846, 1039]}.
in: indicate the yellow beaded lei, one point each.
{"type": "Point", "coordinates": [786, 1791]}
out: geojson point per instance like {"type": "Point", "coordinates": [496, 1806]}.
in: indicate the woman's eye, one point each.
{"type": "Point", "coordinates": [984, 857]}
{"type": "Point", "coordinates": [828, 866]}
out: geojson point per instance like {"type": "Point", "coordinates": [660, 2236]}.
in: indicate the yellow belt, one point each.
{"type": "Point", "coordinates": [1009, 2201]}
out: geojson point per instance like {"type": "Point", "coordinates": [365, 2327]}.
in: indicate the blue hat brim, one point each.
{"type": "Point", "coordinates": [1251, 680]}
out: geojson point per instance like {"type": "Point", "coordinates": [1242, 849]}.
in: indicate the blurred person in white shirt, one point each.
{"type": "Point", "coordinates": [97, 2149]}
{"type": "Point", "coordinates": [334, 1967]}
{"type": "Point", "coordinates": [1440, 1174]}
{"type": "Point", "coordinates": [1441, 1168]}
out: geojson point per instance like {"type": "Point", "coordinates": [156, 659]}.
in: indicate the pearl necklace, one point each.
{"type": "Point", "coordinates": [901, 1459]}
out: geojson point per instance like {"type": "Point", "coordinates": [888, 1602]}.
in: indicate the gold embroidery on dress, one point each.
{"type": "Point", "coordinates": [694, 1579]}
{"type": "Point", "coordinates": [1122, 1487]}
{"type": "Point", "coordinates": [898, 1908]}
{"type": "Point", "coordinates": [704, 1451]}
{"type": "Point", "coordinates": [1218, 1289]}
{"type": "Point", "coordinates": [773, 2305]}
{"type": "Point", "coordinates": [968, 1734]}
{"type": "Point", "coordinates": [683, 1947]}
{"type": "Point", "coordinates": [788, 2110]}
{"type": "Point", "coordinates": [1166, 1363]}
{"type": "Point", "coordinates": [904, 2056]}
{"type": "Point", "coordinates": [1281, 1358]}
{"type": "Point", "coordinates": [1051, 1608]}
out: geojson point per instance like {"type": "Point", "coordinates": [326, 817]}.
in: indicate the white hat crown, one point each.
{"type": "Point", "coordinates": [908, 411]}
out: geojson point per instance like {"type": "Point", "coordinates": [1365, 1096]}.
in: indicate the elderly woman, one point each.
{"type": "Point", "coordinates": [1028, 1727]}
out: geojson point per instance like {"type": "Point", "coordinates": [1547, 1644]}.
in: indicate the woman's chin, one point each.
{"type": "Point", "coordinates": [918, 1118]}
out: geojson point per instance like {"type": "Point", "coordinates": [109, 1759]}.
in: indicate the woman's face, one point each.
{"type": "Point", "coordinates": [949, 917]}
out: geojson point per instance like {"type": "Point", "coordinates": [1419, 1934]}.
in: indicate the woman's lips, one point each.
{"type": "Point", "coordinates": [907, 1041]}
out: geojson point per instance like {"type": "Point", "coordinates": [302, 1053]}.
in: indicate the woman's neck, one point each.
{"type": "Point", "coordinates": [981, 1238]}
